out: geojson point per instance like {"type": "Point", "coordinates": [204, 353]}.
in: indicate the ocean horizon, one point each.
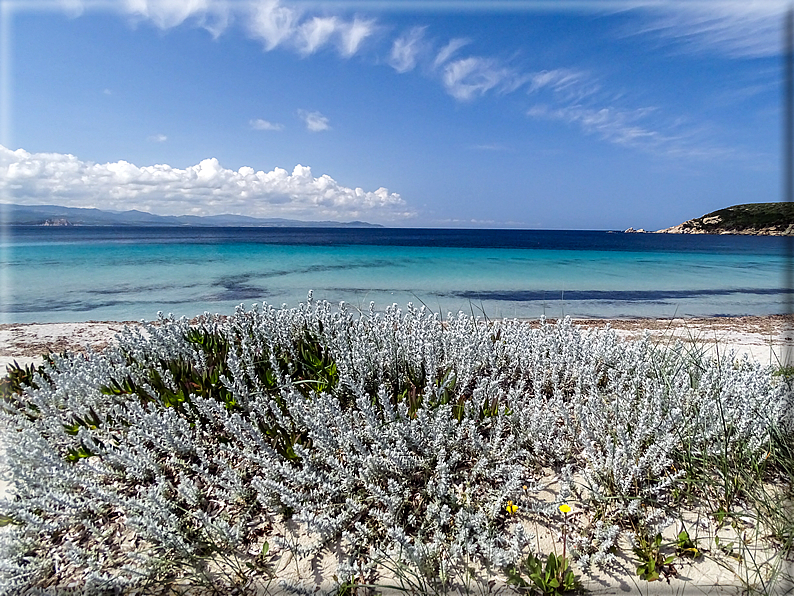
{"type": "Point", "coordinates": [74, 274]}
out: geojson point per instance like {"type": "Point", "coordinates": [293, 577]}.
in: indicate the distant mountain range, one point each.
{"type": "Point", "coordinates": [54, 215]}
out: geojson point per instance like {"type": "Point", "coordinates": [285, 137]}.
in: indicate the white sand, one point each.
{"type": "Point", "coordinates": [768, 340]}
{"type": "Point", "coordinates": [26, 344]}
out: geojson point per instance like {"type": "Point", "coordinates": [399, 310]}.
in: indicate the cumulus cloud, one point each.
{"type": "Point", "coordinates": [203, 189]}
{"type": "Point", "coordinates": [406, 49]}
{"type": "Point", "coordinates": [467, 78]}
{"type": "Point", "coordinates": [315, 121]}
{"type": "Point", "coordinates": [260, 124]}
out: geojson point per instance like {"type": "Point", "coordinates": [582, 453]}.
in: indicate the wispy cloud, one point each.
{"type": "Point", "coordinates": [488, 147]}
{"type": "Point", "coordinates": [353, 33]}
{"type": "Point", "coordinates": [470, 77]}
{"type": "Point", "coordinates": [276, 24]}
{"type": "Point", "coordinates": [634, 129]}
{"type": "Point", "coordinates": [314, 33]}
{"type": "Point", "coordinates": [577, 98]}
{"type": "Point", "coordinates": [270, 21]}
{"type": "Point", "coordinates": [449, 50]}
{"type": "Point", "coordinates": [611, 124]}
{"type": "Point", "coordinates": [260, 124]}
{"type": "Point", "coordinates": [739, 28]}
{"type": "Point", "coordinates": [565, 82]}
{"type": "Point", "coordinates": [158, 138]}
{"type": "Point", "coordinates": [204, 189]}
{"type": "Point", "coordinates": [406, 49]}
{"type": "Point", "coordinates": [315, 121]}
{"type": "Point", "coordinates": [736, 28]}
{"type": "Point", "coordinates": [212, 15]}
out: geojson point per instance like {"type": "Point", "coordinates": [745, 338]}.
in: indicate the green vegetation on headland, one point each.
{"type": "Point", "coordinates": [763, 219]}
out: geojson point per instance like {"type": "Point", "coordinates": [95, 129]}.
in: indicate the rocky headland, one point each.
{"type": "Point", "coordinates": [757, 219]}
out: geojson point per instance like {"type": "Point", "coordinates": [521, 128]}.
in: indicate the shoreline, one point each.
{"type": "Point", "coordinates": [767, 339]}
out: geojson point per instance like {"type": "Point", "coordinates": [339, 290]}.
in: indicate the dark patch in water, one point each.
{"type": "Point", "coordinates": [236, 287]}
{"type": "Point", "coordinates": [611, 295]}
{"type": "Point", "coordinates": [130, 289]}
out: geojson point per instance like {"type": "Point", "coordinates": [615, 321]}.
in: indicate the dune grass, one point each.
{"type": "Point", "coordinates": [321, 448]}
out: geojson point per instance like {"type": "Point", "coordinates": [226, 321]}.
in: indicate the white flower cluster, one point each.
{"type": "Point", "coordinates": [381, 434]}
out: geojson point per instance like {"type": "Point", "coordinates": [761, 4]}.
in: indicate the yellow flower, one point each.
{"type": "Point", "coordinates": [511, 509]}
{"type": "Point", "coordinates": [565, 508]}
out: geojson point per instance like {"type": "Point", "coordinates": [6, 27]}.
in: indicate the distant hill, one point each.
{"type": "Point", "coordinates": [762, 219]}
{"type": "Point", "coordinates": [54, 215]}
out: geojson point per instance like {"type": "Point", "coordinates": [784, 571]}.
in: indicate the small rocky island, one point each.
{"type": "Point", "coordinates": [759, 219]}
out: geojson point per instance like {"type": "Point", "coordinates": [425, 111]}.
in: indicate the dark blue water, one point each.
{"type": "Point", "coordinates": [449, 238]}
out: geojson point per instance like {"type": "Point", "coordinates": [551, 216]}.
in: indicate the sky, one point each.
{"type": "Point", "coordinates": [571, 114]}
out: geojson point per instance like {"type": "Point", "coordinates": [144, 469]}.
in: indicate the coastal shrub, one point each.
{"type": "Point", "coordinates": [190, 451]}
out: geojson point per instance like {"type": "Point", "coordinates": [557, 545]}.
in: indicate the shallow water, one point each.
{"type": "Point", "coordinates": [81, 274]}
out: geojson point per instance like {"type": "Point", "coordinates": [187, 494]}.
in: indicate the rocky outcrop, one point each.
{"type": "Point", "coordinates": [756, 219]}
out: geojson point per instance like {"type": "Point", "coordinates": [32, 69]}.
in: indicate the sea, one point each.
{"type": "Point", "coordinates": [76, 274]}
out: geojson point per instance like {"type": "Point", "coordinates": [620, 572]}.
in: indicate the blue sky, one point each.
{"type": "Point", "coordinates": [567, 115]}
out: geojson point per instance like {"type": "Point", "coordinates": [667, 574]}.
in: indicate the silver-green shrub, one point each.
{"type": "Point", "coordinates": [173, 455]}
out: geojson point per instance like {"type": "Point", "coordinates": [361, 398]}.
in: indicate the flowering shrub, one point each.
{"type": "Point", "coordinates": [179, 454]}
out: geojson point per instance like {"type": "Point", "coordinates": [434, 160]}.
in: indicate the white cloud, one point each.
{"type": "Point", "coordinates": [449, 50]}
{"type": "Point", "coordinates": [315, 121]}
{"type": "Point", "coordinates": [737, 28]}
{"type": "Point", "coordinates": [611, 124]}
{"type": "Point", "coordinates": [269, 21]}
{"type": "Point", "coordinates": [158, 138]}
{"type": "Point", "coordinates": [630, 128]}
{"type": "Point", "coordinates": [273, 23]}
{"type": "Point", "coordinates": [107, 92]}
{"type": "Point", "coordinates": [489, 147]}
{"type": "Point", "coordinates": [260, 124]}
{"type": "Point", "coordinates": [405, 50]}
{"type": "Point", "coordinates": [469, 77]}
{"type": "Point", "coordinates": [213, 15]}
{"type": "Point", "coordinates": [562, 80]}
{"type": "Point", "coordinates": [276, 25]}
{"type": "Point", "coordinates": [314, 33]}
{"type": "Point", "coordinates": [353, 34]}
{"type": "Point", "coordinates": [576, 98]}
{"type": "Point", "coordinates": [202, 189]}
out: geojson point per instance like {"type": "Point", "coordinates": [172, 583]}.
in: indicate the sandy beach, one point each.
{"type": "Point", "coordinates": [767, 340]}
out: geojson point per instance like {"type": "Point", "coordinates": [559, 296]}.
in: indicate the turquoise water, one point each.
{"type": "Point", "coordinates": [131, 274]}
